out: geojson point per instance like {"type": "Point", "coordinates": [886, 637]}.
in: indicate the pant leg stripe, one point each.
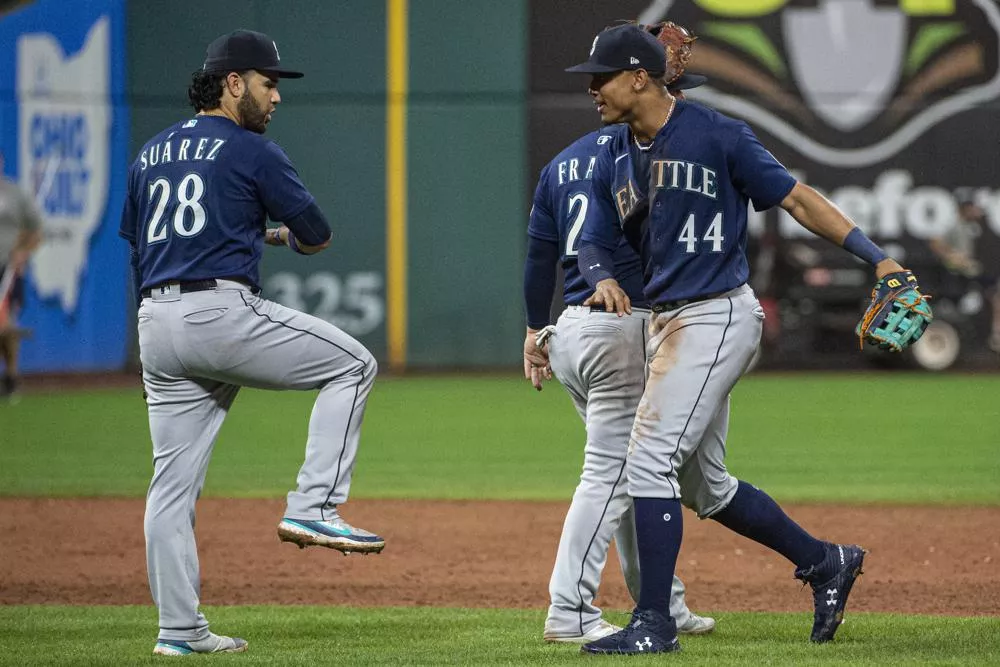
{"type": "Point", "coordinates": [621, 472]}
{"type": "Point", "coordinates": [701, 392]}
{"type": "Point", "coordinates": [309, 333]}
{"type": "Point", "coordinates": [357, 389]}
{"type": "Point", "coordinates": [343, 448]}
{"type": "Point", "coordinates": [600, 521]}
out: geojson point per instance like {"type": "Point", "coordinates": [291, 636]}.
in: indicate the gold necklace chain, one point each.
{"type": "Point", "coordinates": [670, 112]}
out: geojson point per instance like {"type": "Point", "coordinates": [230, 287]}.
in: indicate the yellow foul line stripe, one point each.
{"type": "Point", "coordinates": [397, 71]}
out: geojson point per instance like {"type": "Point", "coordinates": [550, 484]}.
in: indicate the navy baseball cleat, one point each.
{"type": "Point", "coordinates": [649, 631]}
{"type": "Point", "coordinates": [831, 580]}
{"type": "Point", "coordinates": [334, 534]}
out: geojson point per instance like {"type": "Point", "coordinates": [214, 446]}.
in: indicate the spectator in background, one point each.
{"type": "Point", "coordinates": [961, 251]}
{"type": "Point", "coordinates": [20, 235]}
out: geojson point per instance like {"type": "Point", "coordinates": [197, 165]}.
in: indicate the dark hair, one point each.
{"type": "Point", "coordinates": [205, 91]}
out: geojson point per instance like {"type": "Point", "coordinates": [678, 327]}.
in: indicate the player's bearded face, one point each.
{"type": "Point", "coordinates": [613, 96]}
{"type": "Point", "coordinates": [257, 103]}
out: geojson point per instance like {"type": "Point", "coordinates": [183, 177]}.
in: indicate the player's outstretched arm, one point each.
{"type": "Point", "coordinates": [898, 313]}
{"type": "Point", "coordinates": [822, 217]}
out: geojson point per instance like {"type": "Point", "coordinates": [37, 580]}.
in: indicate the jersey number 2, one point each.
{"type": "Point", "coordinates": [712, 235]}
{"type": "Point", "coordinates": [189, 214]}
{"type": "Point", "coordinates": [579, 202]}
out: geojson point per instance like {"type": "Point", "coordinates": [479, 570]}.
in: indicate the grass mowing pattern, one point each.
{"type": "Point", "coordinates": [49, 635]}
{"type": "Point", "coordinates": [900, 438]}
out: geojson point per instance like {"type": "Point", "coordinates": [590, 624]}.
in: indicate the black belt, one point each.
{"type": "Point", "coordinates": [602, 309]}
{"type": "Point", "coordinates": [193, 286]}
{"type": "Point", "coordinates": [674, 305]}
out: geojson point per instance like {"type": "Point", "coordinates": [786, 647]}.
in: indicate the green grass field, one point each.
{"type": "Point", "coordinates": [424, 636]}
{"type": "Point", "coordinates": [885, 438]}
{"type": "Point", "coordinates": [828, 438]}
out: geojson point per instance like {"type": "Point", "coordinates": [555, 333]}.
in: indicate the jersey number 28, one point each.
{"type": "Point", "coordinates": [189, 215]}
{"type": "Point", "coordinates": [713, 235]}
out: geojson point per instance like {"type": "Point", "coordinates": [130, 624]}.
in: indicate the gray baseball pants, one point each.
{"type": "Point", "coordinates": [600, 360]}
{"type": "Point", "coordinates": [197, 350]}
{"type": "Point", "coordinates": [696, 355]}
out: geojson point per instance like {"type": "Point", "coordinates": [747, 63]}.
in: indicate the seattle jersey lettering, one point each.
{"type": "Point", "coordinates": [679, 175]}
{"type": "Point", "coordinates": [703, 172]}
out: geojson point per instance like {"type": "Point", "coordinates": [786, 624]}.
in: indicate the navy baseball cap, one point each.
{"type": "Point", "coordinates": [624, 47]}
{"type": "Point", "coordinates": [245, 49]}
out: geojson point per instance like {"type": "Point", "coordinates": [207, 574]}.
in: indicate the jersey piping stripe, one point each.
{"type": "Point", "coordinates": [704, 384]}
{"type": "Point", "coordinates": [357, 387]}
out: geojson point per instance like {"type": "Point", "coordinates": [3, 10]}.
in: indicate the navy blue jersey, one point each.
{"type": "Point", "coordinates": [561, 204]}
{"type": "Point", "coordinates": [703, 170]}
{"type": "Point", "coordinates": [199, 195]}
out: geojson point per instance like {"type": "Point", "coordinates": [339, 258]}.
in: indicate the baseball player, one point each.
{"type": "Point", "coordinates": [20, 235]}
{"type": "Point", "coordinates": [676, 180]}
{"type": "Point", "coordinates": [600, 359]}
{"type": "Point", "coordinates": [198, 197]}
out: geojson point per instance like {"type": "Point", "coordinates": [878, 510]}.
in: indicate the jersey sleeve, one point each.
{"type": "Point", "coordinates": [281, 190]}
{"type": "Point", "coordinates": [541, 221]}
{"type": "Point", "coordinates": [601, 226]}
{"type": "Point", "coordinates": [757, 173]}
{"type": "Point", "coordinates": [128, 228]}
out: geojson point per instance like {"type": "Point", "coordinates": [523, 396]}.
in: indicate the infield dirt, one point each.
{"type": "Point", "coordinates": [486, 554]}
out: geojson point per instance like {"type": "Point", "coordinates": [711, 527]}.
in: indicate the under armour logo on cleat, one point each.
{"type": "Point", "coordinates": [832, 592]}
{"type": "Point", "coordinates": [648, 644]}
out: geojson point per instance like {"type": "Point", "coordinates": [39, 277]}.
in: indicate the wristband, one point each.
{"type": "Point", "coordinates": [860, 246]}
{"type": "Point", "coordinates": [293, 244]}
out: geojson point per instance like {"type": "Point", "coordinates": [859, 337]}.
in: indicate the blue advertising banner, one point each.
{"type": "Point", "coordinates": [64, 123]}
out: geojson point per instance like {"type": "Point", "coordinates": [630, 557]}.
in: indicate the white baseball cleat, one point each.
{"type": "Point", "coordinates": [599, 631]}
{"type": "Point", "coordinates": [212, 644]}
{"type": "Point", "coordinates": [696, 625]}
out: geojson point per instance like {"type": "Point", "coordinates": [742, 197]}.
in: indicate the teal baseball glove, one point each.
{"type": "Point", "coordinates": [897, 315]}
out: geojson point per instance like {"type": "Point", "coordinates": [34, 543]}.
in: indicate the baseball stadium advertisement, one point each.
{"type": "Point", "coordinates": [887, 107]}
{"type": "Point", "coordinates": [64, 140]}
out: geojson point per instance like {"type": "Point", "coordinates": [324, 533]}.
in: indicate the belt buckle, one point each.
{"type": "Point", "coordinates": [166, 292]}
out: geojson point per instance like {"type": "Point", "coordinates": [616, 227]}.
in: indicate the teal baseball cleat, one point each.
{"type": "Point", "coordinates": [333, 534]}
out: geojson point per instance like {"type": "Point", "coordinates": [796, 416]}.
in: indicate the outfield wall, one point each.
{"type": "Point", "coordinates": [465, 150]}
{"type": "Point", "coordinates": [426, 263]}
